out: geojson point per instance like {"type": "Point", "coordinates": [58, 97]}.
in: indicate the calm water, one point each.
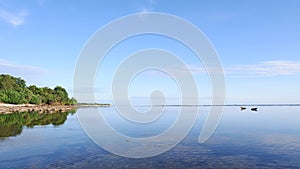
{"type": "Point", "coordinates": [269, 138]}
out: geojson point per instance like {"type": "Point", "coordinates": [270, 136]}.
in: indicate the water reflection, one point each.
{"type": "Point", "coordinates": [12, 124]}
{"type": "Point", "coordinates": [268, 138]}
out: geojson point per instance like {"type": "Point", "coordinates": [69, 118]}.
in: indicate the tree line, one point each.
{"type": "Point", "coordinates": [13, 90]}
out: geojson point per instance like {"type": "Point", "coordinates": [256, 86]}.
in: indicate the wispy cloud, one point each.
{"type": "Point", "coordinates": [265, 69]}
{"type": "Point", "coordinates": [147, 8]}
{"type": "Point", "coordinates": [261, 69]}
{"type": "Point", "coordinates": [15, 19]}
{"type": "Point", "coordinates": [25, 71]}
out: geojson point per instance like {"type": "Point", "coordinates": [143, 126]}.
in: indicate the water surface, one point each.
{"type": "Point", "coordinates": [268, 138]}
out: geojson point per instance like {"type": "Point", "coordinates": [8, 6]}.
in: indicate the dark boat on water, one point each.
{"type": "Point", "coordinates": [254, 109]}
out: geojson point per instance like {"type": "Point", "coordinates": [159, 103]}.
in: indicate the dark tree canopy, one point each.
{"type": "Point", "coordinates": [14, 90]}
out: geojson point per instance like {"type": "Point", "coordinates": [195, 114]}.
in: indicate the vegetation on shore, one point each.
{"type": "Point", "coordinates": [13, 90]}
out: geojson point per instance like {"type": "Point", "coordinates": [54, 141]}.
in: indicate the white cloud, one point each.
{"type": "Point", "coordinates": [265, 69]}
{"type": "Point", "coordinates": [142, 12]}
{"type": "Point", "coordinates": [262, 69]}
{"type": "Point", "coordinates": [25, 71]}
{"type": "Point", "coordinates": [15, 19]}
{"type": "Point", "coordinates": [148, 7]}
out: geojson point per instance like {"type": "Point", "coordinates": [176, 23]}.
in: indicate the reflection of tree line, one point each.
{"type": "Point", "coordinates": [12, 124]}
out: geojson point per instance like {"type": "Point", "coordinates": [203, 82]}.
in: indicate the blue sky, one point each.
{"type": "Point", "coordinates": [258, 43]}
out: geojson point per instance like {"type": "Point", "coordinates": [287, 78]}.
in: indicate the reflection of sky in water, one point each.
{"type": "Point", "coordinates": [132, 129]}
{"type": "Point", "coordinates": [266, 139]}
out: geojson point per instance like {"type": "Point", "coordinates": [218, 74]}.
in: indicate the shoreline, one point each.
{"type": "Point", "coordinates": [18, 108]}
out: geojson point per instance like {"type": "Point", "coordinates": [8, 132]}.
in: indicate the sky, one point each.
{"type": "Point", "coordinates": [258, 43]}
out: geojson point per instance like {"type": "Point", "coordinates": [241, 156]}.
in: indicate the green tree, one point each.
{"type": "Point", "coordinates": [14, 90]}
{"type": "Point", "coordinates": [14, 97]}
{"type": "Point", "coordinates": [61, 94]}
{"type": "Point", "coordinates": [8, 82]}
{"type": "Point", "coordinates": [35, 90]}
{"type": "Point", "coordinates": [35, 99]}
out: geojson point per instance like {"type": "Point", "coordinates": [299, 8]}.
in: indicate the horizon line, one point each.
{"type": "Point", "coordinates": [227, 105]}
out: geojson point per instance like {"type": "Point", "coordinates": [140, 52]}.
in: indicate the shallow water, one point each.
{"type": "Point", "coordinates": [268, 138]}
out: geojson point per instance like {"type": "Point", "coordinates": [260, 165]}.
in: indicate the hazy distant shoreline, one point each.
{"type": "Point", "coordinates": [226, 105]}
{"type": "Point", "coordinates": [94, 105]}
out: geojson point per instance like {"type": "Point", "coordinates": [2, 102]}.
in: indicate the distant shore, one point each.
{"type": "Point", "coordinates": [93, 105]}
